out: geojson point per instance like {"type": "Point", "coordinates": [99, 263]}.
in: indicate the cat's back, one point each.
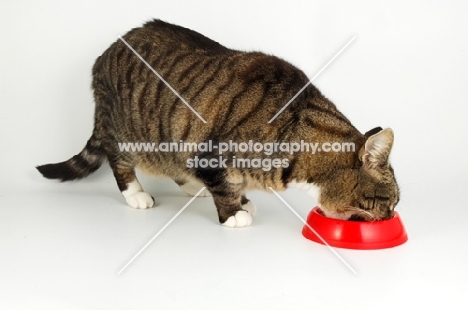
{"type": "Point", "coordinates": [180, 36]}
{"type": "Point", "coordinates": [162, 45]}
{"type": "Point", "coordinates": [157, 37]}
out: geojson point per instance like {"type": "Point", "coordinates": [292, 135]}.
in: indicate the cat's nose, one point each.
{"type": "Point", "coordinates": [357, 218]}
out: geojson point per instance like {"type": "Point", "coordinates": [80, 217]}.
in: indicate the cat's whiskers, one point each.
{"type": "Point", "coordinates": [368, 214]}
{"type": "Point", "coordinates": [361, 211]}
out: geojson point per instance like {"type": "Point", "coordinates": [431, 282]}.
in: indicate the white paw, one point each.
{"type": "Point", "coordinates": [140, 200]}
{"type": "Point", "coordinates": [240, 219]}
{"type": "Point", "coordinates": [192, 188]}
{"type": "Point", "coordinates": [249, 207]}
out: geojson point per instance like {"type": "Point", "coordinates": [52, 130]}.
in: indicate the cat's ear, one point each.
{"type": "Point", "coordinates": [375, 152]}
{"type": "Point", "coordinates": [373, 131]}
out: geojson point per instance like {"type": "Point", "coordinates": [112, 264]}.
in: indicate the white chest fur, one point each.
{"type": "Point", "coordinates": [311, 189]}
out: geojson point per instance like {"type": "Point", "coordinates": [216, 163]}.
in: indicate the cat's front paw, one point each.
{"type": "Point", "coordinates": [140, 200]}
{"type": "Point", "coordinates": [240, 219]}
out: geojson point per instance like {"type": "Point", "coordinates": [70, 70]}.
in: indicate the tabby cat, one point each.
{"type": "Point", "coordinates": [236, 93]}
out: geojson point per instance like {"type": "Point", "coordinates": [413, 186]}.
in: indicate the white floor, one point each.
{"type": "Point", "coordinates": [63, 244]}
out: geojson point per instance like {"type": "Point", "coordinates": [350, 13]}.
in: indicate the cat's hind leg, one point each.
{"type": "Point", "coordinates": [122, 164]}
{"type": "Point", "coordinates": [136, 197]}
{"type": "Point", "coordinates": [130, 187]}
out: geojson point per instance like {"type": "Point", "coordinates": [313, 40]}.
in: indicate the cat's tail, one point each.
{"type": "Point", "coordinates": [79, 166]}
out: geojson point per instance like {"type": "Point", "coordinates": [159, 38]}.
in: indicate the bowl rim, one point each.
{"type": "Point", "coordinates": [373, 245]}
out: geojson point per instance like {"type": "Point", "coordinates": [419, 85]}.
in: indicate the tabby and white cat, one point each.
{"type": "Point", "coordinates": [237, 93]}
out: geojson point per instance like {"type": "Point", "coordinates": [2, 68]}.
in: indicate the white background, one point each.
{"type": "Point", "coordinates": [61, 245]}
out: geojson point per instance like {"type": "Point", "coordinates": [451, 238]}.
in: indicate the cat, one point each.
{"type": "Point", "coordinates": [236, 93]}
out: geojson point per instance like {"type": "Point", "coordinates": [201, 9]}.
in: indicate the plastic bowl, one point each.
{"type": "Point", "coordinates": [355, 235]}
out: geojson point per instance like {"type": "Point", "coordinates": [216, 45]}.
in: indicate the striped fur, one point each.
{"type": "Point", "coordinates": [237, 93]}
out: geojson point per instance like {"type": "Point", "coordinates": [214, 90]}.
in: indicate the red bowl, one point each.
{"type": "Point", "coordinates": [355, 235]}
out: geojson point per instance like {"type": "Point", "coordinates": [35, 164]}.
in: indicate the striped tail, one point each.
{"type": "Point", "coordinates": [77, 167]}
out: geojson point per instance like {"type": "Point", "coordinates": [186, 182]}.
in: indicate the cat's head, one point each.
{"type": "Point", "coordinates": [368, 191]}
